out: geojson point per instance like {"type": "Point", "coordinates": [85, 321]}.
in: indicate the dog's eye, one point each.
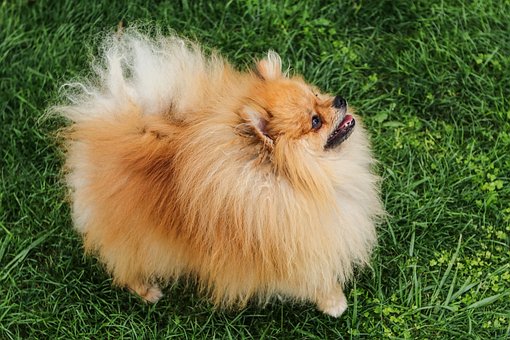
{"type": "Point", "coordinates": [316, 122]}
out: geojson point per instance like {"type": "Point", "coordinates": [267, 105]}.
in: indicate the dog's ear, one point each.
{"type": "Point", "coordinates": [270, 67]}
{"type": "Point", "coordinates": [257, 118]}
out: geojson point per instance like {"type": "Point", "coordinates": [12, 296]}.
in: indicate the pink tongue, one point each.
{"type": "Point", "coordinates": [347, 120]}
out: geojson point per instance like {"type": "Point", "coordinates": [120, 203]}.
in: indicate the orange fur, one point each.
{"type": "Point", "coordinates": [179, 165]}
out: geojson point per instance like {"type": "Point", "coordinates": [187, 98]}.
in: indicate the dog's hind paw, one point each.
{"type": "Point", "coordinates": [149, 293]}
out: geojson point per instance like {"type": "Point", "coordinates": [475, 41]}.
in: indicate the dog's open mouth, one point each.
{"type": "Point", "coordinates": [341, 133]}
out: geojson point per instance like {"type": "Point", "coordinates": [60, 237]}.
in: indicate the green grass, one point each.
{"type": "Point", "coordinates": [430, 78]}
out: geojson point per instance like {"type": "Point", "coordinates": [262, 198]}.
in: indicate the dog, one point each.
{"type": "Point", "coordinates": [253, 183]}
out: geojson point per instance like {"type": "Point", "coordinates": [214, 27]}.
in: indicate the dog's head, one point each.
{"type": "Point", "coordinates": [287, 110]}
{"type": "Point", "coordinates": [295, 123]}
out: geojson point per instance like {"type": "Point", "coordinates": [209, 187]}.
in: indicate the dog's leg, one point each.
{"type": "Point", "coordinates": [333, 303]}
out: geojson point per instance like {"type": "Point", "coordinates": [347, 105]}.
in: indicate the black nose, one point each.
{"type": "Point", "coordinates": [339, 102]}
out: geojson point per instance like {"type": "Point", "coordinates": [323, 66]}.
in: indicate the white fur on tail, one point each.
{"type": "Point", "coordinates": [153, 74]}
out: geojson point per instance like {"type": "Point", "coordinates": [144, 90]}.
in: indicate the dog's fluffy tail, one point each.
{"type": "Point", "coordinates": [160, 75]}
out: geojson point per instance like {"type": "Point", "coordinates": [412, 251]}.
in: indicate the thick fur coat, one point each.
{"type": "Point", "coordinates": [180, 165]}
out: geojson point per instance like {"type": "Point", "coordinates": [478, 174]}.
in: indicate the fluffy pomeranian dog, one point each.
{"type": "Point", "coordinates": [253, 184]}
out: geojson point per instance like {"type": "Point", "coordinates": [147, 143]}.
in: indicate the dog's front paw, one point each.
{"type": "Point", "coordinates": [333, 304]}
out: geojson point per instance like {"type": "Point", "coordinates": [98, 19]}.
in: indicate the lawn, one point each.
{"type": "Point", "coordinates": [431, 80]}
